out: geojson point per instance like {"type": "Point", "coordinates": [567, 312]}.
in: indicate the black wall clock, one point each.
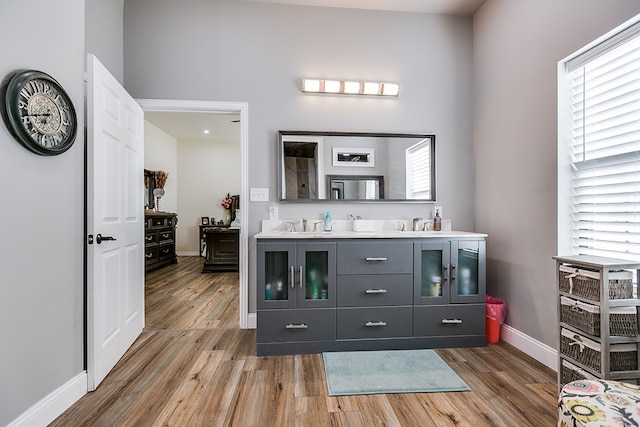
{"type": "Point", "coordinates": [39, 113]}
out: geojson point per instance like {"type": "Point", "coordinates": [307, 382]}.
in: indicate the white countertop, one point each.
{"type": "Point", "coordinates": [364, 235]}
{"type": "Point", "coordinates": [344, 229]}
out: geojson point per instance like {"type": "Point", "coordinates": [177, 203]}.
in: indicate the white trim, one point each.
{"type": "Point", "coordinates": [189, 253]}
{"type": "Point", "coordinates": [54, 404]}
{"type": "Point", "coordinates": [241, 108]}
{"type": "Point", "coordinates": [541, 352]}
{"type": "Point", "coordinates": [252, 321]}
{"type": "Point", "coordinates": [608, 40]}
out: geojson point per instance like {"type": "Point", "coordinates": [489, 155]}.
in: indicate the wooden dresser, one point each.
{"type": "Point", "coordinates": [222, 248]}
{"type": "Point", "coordinates": [160, 239]}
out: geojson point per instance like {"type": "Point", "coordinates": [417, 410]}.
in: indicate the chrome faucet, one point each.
{"type": "Point", "coordinates": [416, 224]}
{"type": "Point", "coordinates": [292, 225]}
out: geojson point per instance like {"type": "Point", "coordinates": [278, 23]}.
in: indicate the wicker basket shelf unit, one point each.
{"type": "Point", "coordinates": [598, 337]}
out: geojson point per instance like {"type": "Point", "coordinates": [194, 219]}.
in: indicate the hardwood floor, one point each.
{"type": "Point", "coordinates": [192, 366]}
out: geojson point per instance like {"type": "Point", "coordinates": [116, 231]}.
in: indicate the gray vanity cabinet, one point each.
{"type": "Point", "coordinates": [296, 275]}
{"type": "Point", "coordinates": [348, 294]}
{"type": "Point", "coordinates": [449, 279]}
{"type": "Point", "coordinates": [374, 289]}
{"type": "Point", "coordinates": [296, 289]}
{"type": "Point", "coordinates": [449, 271]}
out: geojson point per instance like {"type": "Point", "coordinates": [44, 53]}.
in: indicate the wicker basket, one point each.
{"type": "Point", "coordinates": [586, 283]}
{"type": "Point", "coordinates": [622, 357]}
{"type": "Point", "coordinates": [571, 372]}
{"type": "Point", "coordinates": [623, 321]}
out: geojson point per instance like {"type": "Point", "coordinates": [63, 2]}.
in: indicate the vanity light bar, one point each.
{"type": "Point", "coordinates": [350, 87]}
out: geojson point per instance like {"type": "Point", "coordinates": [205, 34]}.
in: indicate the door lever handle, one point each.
{"type": "Point", "coordinates": [100, 238]}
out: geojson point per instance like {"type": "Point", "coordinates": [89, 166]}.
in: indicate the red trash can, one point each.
{"type": "Point", "coordinates": [495, 314]}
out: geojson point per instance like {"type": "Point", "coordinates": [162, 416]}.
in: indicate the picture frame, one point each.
{"type": "Point", "coordinates": [353, 157]}
{"type": "Point", "coordinates": [205, 220]}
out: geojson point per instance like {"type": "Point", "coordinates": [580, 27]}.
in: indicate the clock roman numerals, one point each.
{"type": "Point", "coordinates": [40, 113]}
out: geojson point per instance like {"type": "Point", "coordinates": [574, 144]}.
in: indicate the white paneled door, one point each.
{"type": "Point", "coordinates": [115, 221]}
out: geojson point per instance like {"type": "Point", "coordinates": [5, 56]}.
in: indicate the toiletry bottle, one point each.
{"type": "Point", "coordinates": [327, 222]}
{"type": "Point", "coordinates": [437, 222]}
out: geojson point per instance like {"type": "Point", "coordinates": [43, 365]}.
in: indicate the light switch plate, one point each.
{"type": "Point", "coordinates": [259, 195]}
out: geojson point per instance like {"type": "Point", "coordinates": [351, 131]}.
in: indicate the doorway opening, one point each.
{"type": "Point", "coordinates": [240, 109]}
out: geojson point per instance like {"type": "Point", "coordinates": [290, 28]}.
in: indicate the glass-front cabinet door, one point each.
{"type": "Point", "coordinates": [431, 272]}
{"type": "Point", "coordinates": [449, 272]}
{"type": "Point", "coordinates": [316, 281]}
{"type": "Point", "coordinates": [276, 275]}
{"type": "Point", "coordinates": [468, 271]}
{"type": "Point", "coordinates": [294, 275]}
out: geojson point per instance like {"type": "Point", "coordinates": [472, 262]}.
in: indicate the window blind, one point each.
{"type": "Point", "coordinates": [605, 161]}
{"type": "Point", "coordinates": [419, 170]}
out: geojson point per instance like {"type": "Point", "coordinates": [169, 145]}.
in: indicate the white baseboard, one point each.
{"type": "Point", "coordinates": [252, 321]}
{"type": "Point", "coordinates": [52, 406]}
{"type": "Point", "coordinates": [187, 254]}
{"type": "Point", "coordinates": [541, 352]}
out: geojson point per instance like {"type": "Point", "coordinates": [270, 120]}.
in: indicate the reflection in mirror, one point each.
{"type": "Point", "coordinates": [300, 161]}
{"type": "Point", "coordinates": [401, 167]}
{"type": "Point", "coordinates": [356, 187]}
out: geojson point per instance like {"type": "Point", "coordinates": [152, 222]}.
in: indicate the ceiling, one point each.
{"type": "Point", "coordinates": [189, 126]}
{"type": "Point", "coordinates": [444, 7]}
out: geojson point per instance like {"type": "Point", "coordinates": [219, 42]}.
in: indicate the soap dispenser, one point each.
{"type": "Point", "coordinates": [437, 222]}
{"type": "Point", "coordinates": [328, 226]}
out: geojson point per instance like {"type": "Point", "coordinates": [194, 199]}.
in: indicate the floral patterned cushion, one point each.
{"type": "Point", "coordinates": [599, 403]}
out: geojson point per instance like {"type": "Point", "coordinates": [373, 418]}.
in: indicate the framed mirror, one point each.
{"type": "Point", "coordinates": [350, 166]}
{"type": "Point", "coordinates": [356, 187]}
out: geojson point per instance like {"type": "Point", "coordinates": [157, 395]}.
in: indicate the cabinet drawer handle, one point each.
{"type": "Point", "coordinates": [299, 326]}
{"type": "Point", "coordinates": [370, 258]}
{"type": "Point", "coordinates": [375, 291]}
{"type": "Point", "coordinates": [148, 238]}
{"type": "Point", "coordinates": [150, 255]}
{"type": "Point", "coordinates": [373, 324]}
{"type": "Point", "coordinates": [166, 235]}
{"type": "Point", "coordinates": [451, 321]}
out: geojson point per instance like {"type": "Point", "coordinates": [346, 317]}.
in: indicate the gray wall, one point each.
{"type": "Point", "coordinates": [42, 211]}
{"type": "Point", "coordinates": [104, 34]}
{"type": "Point", "coordinates": [517, 45]}
{"type": "Point", "coordinates": [257, 53]}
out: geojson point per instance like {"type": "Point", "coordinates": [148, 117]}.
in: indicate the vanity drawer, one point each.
{"type": "Point", "coordinates": [375, 257]}
{"type": "Point", "coordinates": [379, 322]}
{"type": "Point", "coordinates": [446, 320]}
{"type": "Point", "coordinates": [374, 290]}
{"type": "Point", "coordinates": [296, 325]}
